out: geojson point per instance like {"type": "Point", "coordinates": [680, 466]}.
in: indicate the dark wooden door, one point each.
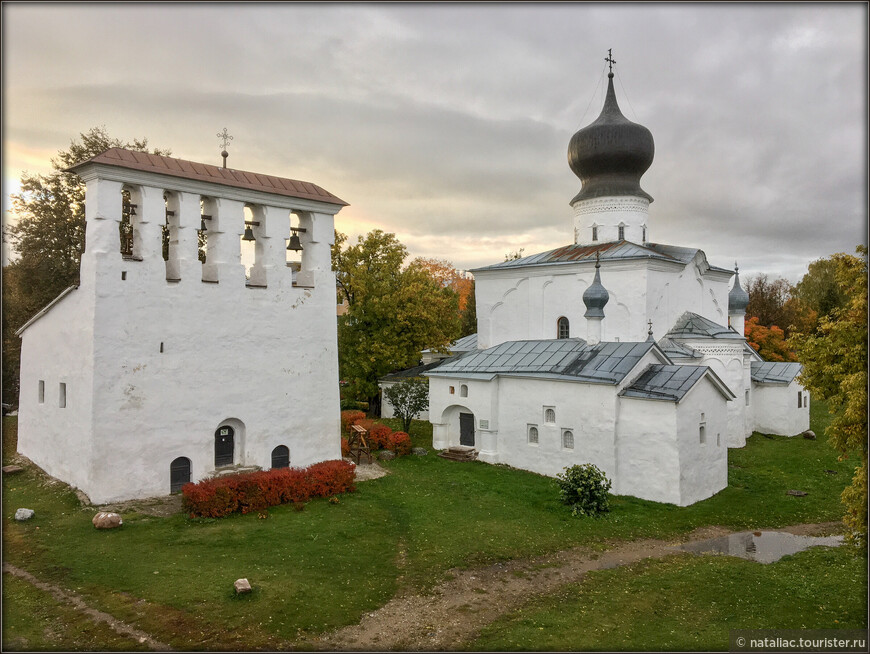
{"type": "Point", "coordinates": [466, 429]}
{"type": "Point", "coordinates": [179, 473]}
{"type": "Point", "coordinates": [224, 447]}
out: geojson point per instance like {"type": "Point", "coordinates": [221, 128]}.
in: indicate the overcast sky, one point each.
{"type": "Point", "coordinates": [448, 124]}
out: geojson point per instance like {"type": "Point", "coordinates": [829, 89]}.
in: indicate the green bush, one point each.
{"type": "Point", "coordinates": [584, 488]}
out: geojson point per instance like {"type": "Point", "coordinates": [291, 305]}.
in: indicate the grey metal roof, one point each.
{"type": "Point", "coordinates": [596, 296]}
{"type": "Point", "coordinates": [668, 383]}
{"type": "Point", "coordinates": [691, 326]}
{"type": "Point", "coordinates": [774, 372]}
{"type": "Point", "coordinates": [675, 349]}
{"type": "Point", "coordinates": [461, 345]}
{"type": "Point", "coordinates": [611, 251]}
{"type": "Point", "coordinates": [738, 299]}
{"type": "Point", "coordinates": [409, 373]}
{"type": "Point", "coordinates": [569, 358]}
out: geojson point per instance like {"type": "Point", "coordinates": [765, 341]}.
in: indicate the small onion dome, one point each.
{"type": "Point", "coordinates": [610, 155]}
{"type": "Point", "coordinates": [738, 299]}
{"type": "Point", "coordinates": [595, 297]}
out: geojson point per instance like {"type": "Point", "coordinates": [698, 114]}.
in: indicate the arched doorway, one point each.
{"type": "Point", "coordinates": [281, 457]}
{"type": "Point", "coordinates": [179, 473]}
{"type": "Point", "coordinates": [224, 446]}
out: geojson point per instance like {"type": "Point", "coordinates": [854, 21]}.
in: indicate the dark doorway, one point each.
{"type": "Point", "coordinates": [179, 473]}
{"type": "Point", "coordinates": [224, 447]}
{"type": "Point", "coordinates": [281, 457]}
{"type": "Point", "coordinates": [466, 429]}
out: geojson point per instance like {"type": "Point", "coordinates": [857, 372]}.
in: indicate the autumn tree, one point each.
{"type": "Point", "coordinates": [393, 311]}
{"type": "Point", "coordinates": [463, 284]}
{"type": "Point", "coordinates": [47, 236]}
{"type": "Point", "coordinates": [468, 315]}
{"type": "Point", "coordinates": [834, 362]}
{"type": "Point", "coordinates": [769, 342]}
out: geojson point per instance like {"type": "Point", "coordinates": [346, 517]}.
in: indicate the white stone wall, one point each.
{"type": "Point", "coordinates": [526, 303]}
{"type": "Point", "coordinates": [703, 466]}
{"type": "Point", "coordinates": [607, 214]}
{"type": "Point", "coordinates": [171, 361]}
{"type": "Point", "coordinates": [647, 451]}
{"type": "Point", "coordinates": [776, 411]}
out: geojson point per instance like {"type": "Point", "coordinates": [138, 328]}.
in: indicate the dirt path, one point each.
{"type": "Point", "coordinates": [456, 610]}
{"type": "Point", "coordinates": [75, 601]}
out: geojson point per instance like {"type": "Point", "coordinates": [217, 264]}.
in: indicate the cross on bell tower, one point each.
{"type": "Point", "coordinates": [225, 143]}
{"type": "Point", "coordinates": [610, 60]}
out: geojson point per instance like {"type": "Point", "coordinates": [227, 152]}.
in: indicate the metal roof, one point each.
{"type": "Point", "coordinates": [675, 349]}
{"type": "Point", "coordinates": [461, 345]}
{"type": "Point", "coordinates": [155, 163]}
{"type": "Point", "coordinates": [409, 373]}
{"type": "Point", "coordinates": [692, 326]}
{"type": "Point", "coordinates": [669, 383]}
{"type": "Point", "coordinates": [569, 358]}
{"type": "Point", "coordinates": [774, 372]}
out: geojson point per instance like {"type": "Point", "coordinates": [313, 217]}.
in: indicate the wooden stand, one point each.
{"type": "Point", "coordinates": [356, 441]}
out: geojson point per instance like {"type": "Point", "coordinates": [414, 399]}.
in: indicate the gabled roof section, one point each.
{"type": "Point", "coordinates": [409, 373]}
{"type": "Point", "coordinates": [39, 314]}
{"type": "Point", "coordinates": [774, 372]}
{"type": "Point", "coordinates": [461, 345]}
{"type": "Point", "coordinates": [568, 359]}
{"type": "Point", "coordinates": [676, 350]}
{"type": "Point", "coordinates": [155, 163]}
{"type": "Point", "coordinates": [613, 251]}
{"type": "Point", "coordinates": [692, 326]}
{"type": "Point", "coordinates": [671, 383]}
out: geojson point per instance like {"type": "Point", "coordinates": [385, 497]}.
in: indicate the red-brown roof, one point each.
{"type": "Point", "coordinates": [155, 163]}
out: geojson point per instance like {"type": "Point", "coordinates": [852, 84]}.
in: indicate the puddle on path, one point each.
{"type": "Point", "coordinates": [761, 546]}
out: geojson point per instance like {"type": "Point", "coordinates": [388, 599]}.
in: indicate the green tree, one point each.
{"type": "Point", "coordinates": [393, 312]}
{"type": "Point", "coordinates": [409, 397]}
{"type": "Point", "coordinates": [819, 290]}
{"type": "Point", "coordinates": [468, 314]}
{"type": "Point", "coordinates": [47, 235]}
{"type": "Point", "coordinates": [834, 362]}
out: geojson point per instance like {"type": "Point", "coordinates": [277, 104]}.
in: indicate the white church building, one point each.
{"type": "Point", "coordinates": [613, 350]}
{"type": "Point", "coordinates": [158, 369]}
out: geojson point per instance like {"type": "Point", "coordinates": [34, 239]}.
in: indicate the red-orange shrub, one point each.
{"type": "Point", "coordinates": [400, 443]}
{"type": "Point", "coordinates": [349, 418]}
{"type": "Point", "coordinates": [255, 491]}
{"type": "Point", "coordinates": [345, 447]}
{"type": "Point", "coordinates": [379, 437]}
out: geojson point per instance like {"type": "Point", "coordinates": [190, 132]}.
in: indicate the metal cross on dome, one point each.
{"type": "Point", "coordinates": [609, 59]}
{"type": "Point", "coordinates": [226, 139]}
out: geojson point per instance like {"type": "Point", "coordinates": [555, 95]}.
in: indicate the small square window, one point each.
{"type": "Point", "coordinates": [41, 391]}
{"type": "Point", "coordinates": [533, 435]}
{"type": "Point", "coordinates": [452, 390]}
{"type": "Point", "coordinates": [61, 396]}
{"type": "Point", "coordinates": [568, 439]}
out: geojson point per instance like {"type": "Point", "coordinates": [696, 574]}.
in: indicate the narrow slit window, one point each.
{"type": "Point", "coordinates": [747, 398]}
{"type": "Point", "coordinates": [594, 233]}
{"type": "Point", "coordinates": [61, 395]}
{"type": "Point", "coordinates": [800, 397]}
{"type": "Point", "coordinates": [621, 232]}
{"type": "Point", "coordinates": [702, 434]}
{"type": "Point", "coordinates": [41, 391]}
{"type": "Point", "coordinates": [563, 328]}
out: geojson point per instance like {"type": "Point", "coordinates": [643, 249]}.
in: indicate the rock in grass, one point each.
{"type": "Point", "coordinates": [106, 520]}
{"type": "Point", "coordinates": [386, 455]}
{"type": "Point", "coordinates": [419, 451]}
{"type": "Point", "coordinates": [809, 434]}
{"type": "Point", "coordinates": [11, 470]}
{"type": "Point", "coordinates": [242, 586]}
{"type": "Point", "coordinates": [796, 493]}
{"type": "Point", "coordinates": [24, 514]}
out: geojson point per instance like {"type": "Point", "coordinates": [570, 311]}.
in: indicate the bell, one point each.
{"type": "Point", "coordinates": [249, 234]}
{"type": "Point", "coordinates": [294, 243]}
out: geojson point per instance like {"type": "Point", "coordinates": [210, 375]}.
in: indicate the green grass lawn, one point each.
{"type": "Point", "coordinates": [325, 566]}
{"type": "Point", "coordinates": [687, 602]}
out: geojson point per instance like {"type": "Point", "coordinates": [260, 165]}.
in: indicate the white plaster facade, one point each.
{"type": "Point", "coordinates": [157, 355]}
{"type": "Point", "coordinates": [775, 408]}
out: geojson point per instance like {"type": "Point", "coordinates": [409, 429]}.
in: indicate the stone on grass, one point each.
{"type": "Point", "coordinates": [24, 514]}
{"type": "Point", "coordinates": [386, 455]}
{"type": "Point", "coordinates": [107, 520]}
{"type": "Point", "coordinates": [11, 470]}
{"type": "Point", "coordinates": [420, 451]}
{"type": "Point", "coordinates": [242, 586]}
{"type": "Point", "coordinates": [809, 434]}
{"type": "Point", "coordinates": [796, 493]}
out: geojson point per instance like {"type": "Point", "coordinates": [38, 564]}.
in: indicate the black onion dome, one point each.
{"type": "Point", "coordinates": [738, 299]}
{"type": "Point", "coordinates": [595, 297]}
{"type": "Point", "coordinates": [610, 155]}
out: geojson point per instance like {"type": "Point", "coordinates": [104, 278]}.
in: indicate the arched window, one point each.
{"type": "Point", "coordinates": [281, 457]}
{"type": "Point", "coordinates": [179, 473]}
{"type": "Point", "coordinates": [621, 232]}
{"type": "Point", "coordinates": [568, 439]}
{"type": "Point", "coordinates": [549, 415]}
{"type": "Point", "coordinates": [562, 328]}
{"type": "Point", "coordinates": [463, 391]}
{"type": "Point", "coordinates": [533, 435]}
